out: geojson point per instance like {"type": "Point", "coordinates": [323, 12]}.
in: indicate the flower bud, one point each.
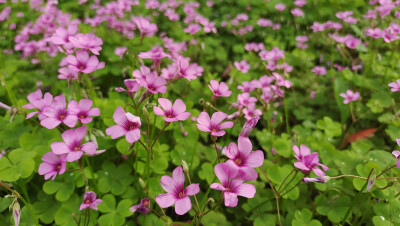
{"type": "Point", "coordinates": [371, 179]}
{"type": "Point", "coordinates": [321, 179]}
{"type": "Point", "coordinates": [211, 200]}
{"type": "Point", "coordinates": [145, 112]}
{"type": "Point", "coordinates": [185, 166]}
{"type": "Point", "coordinates": [141, 182]}
{"type": "Point", "coordinates": [16, 212]}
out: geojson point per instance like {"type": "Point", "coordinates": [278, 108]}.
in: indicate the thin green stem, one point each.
{"type": "Point", "coordinates": [292, 188]}
{"type": "Point", "coordinates": [279, 191]}
{"type": "Point", "coordinates": [216, 149]}
{"type": "Point", "coordinates": [353, 202]}
{"type": "Point", "coordinates": [386, 170]}
{"type": "Point", "coordinates": [280, 186]}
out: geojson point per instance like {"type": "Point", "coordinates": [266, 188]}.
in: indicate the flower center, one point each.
{"type": "Point", "coordinates": [131, 127]}
{"type": "Point", "coordinates": [169, 116]}
{"type": "Point", "coordinates": [76, 149]}
{"type": "Point", "coordinates": [62, 117]}
{"type": "Point", "coordinates": [181, 195]}
{"type": "Point", "coordinates": [87, 201]}
{"type": "Point", "coordinates": [214, 130]}
{"type": "Point", "coordinates": [146, 203]}
{"type": "Point", "coordinates": [59, 167]}
{"type": "Point", "coordinates": [238, 161]}
{"type": "Point", "coordinates": [81, 67]}
{"type": "Point", "coordinates": [82, 116]}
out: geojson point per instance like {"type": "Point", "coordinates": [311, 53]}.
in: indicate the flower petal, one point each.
{"type": "Point", "coordinates": [192, 189]}
{"type": "Point", "coordinates": [183, 205]}
{"type": "Point", "coordinates": [165, 200]}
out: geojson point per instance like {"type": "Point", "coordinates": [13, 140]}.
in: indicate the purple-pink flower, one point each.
{"type": "Point", "coordinates": [395, 86]}
{"type": "Point", "coordinates": [231, 186]}
{"type": "Point", "coordinates": [127, 124]}
{"type": "Point", "coordinates": [132, 85]}
{"type": "Point", "coordinates": [176, 192]}
{"type": "Point", "coordinates": [72, 144]}
{"type": "Point", "coordinates": [243, 159]}
{"type": "Point", "coordinates": [155, 54]}
{"type": "Point", "coordinates": [57, 114]}
{"type": "Point", "coordinates": [90, 200]}
{"type": "Point", "coordinates": [142, 208]}
{"type": "Point", "coordinates": [153, 83]}
{"type": "Point", "coordinates": [350, 96]}
{"type": "Point", "coordinates": [83, 63]}
{"type": "Point", "coordinates": [171, 112]}
{"type": "Point", "coordinates": [52, 165]}
{"type": "Point", "coordinates": [37, 100]}
{"type": "Point", "coordinates": [319, 70]}
{"type": "Point", "coordinates": [83, 111]}
{"type": "Point", "coordinates": [242, 66]}
{"type": "Point", "coordinates": [213, 125]}
{"type": "Point", "coordinates": [396, 154]}
{"type": "Point", "coordinates": [145, 27]}
{"type": "Point", "coordinates": [219, 89]}
{"type": "Point", "coordinates": [307, 162]}
{"type": "Point", "coordinates": [87, 42]}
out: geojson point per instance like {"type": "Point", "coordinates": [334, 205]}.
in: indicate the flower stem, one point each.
{"type": "Point", "coordinates": [219, 203]}
{"type": "Point", "coordinates": [291, 188]}
{"type": "Point", "coordinates": [280, 186]}
{"type": "Point", "coordinates": [216, 149]}
{"type": "Point", "coordinates": [23, 200]}
{"type": "Point", "coordinates": [162, 210]}
{"type": "Point", "coordinates": [276, 194]}
{"type": "Point", "coordinates": [386, 170]}
{"type": "Point", "coordinates": [158, 135]}
{"type": "Point", "coordinates": [195, 198]}
{"type": "Point", "coordinates": [279, 190]}
{"type": "Point", "coordinates": [286, 116]}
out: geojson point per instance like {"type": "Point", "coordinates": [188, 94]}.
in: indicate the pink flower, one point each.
{"type": "Point", "coordinates": [280, 6]}
{"type": "Point", "coordinates": [61, 36]}
{"type": "Point", "coordinates": [37, 100]}
{"type": "Point", "coordinates": [319, 70]}
{"type": "Point", "coordinates": [83, 110]}
{"type": "Point", "coordinates": [300, 153]}
{"type": "Point", "coordinates": [219, 89]}
{"type": "Point", "coordinates": [297, 12]}
{"type": "Point", "coordinates": [249, 86]}
{"type": "Point", "coordinates": [72, 144]}
{"type": "Point", "coordinates": [83, 63]}
{"type": "Point", "coordinates": [87, 42]}
{"type": "Point", "coordinates": [155, 54]}
{"type": "Point", "coordinates": [396, 154]}
{"type": "Point", "coordinates": [90, 200]}
{"type": "Point", "coordinates": [300, 3]}
{"type": "Point", "coordinates": [242, 66]}
{"type": "Point", "coordinates": [250, 111]}
{"type": "Point", "coordinates": [249, 126]}
{"type": "Point", "coordinates": [231, 186]}
{"type": "Point", "coordinates": [153, 83]}
{"type": "Point", "coordinates": [243, 159]}
{"type": "Point", "coordinates": [142, 73]}
{"type": "Point", "coordinates": [176, 192]}
{"type": "Point", "coordinates": [244, 100]}
{"type": "Point", "coordinates": [171, 112]}
{"type": "Point", "coordinates": [350, 96]}
{"type": "Point", "coordinates": [192, 29]}
{"type": "Point", "coordinates": [395, 86]}
{"type": "Point", "coordinates": [56, 114]}
{"type": "Point", "coordinates": [311, 162]}
{"type": "Point", "coordinates": [142, 208]}
{"type": "Point", "coordinates": [52, 165]}
{"type": "Point", "coordinates": [186, 70]}
{"type": "Point", "coordinates": [119, 51]}
{"type": "Point", "coordinates": [132, 85]}
{"type": "Point", "coordinates": [127, 124]}
{"type": "Point", "coordinates": [145, 27]}
{"type": "Point", "coordinates": [213, 125]}
{"type": "Point", "coordinates": [67, 73]}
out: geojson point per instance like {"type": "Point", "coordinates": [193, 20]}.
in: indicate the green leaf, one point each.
{"type": "Point", "coordinates": [206, 170]}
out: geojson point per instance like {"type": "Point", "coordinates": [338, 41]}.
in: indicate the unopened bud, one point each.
{"type": "Point", "coordinates": [145, 112]}
{"type": "Point", "coordinates": [16, 212]}
{"type": "Point", "coordinates": [141, 182]}
{"type": "Point", "coordinates": [371, 179]}
{"type": "Point", "coordinates": [211, 200]}
{"type": "Point", "coordinates": [185, 166]}
{"type": "Point", "coordinates": [321, 179]}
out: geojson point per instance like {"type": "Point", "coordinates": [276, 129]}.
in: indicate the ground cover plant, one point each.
{"type": "Point", "coordinates": [218, 112]}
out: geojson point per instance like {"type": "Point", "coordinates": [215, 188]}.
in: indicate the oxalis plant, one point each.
{"type": "Point", "coordinates": [216, 112]}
